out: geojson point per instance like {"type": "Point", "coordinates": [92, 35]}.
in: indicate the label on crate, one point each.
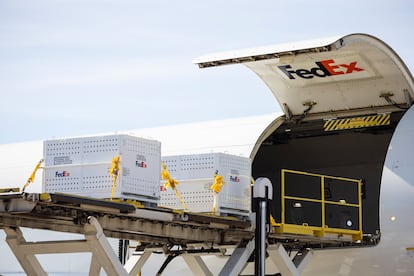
{"type": "Point", "coordinates": [125, 171]}
{"type": "Point", "coordinates": [62, 160]}
{"type": "Point", "coordinates": [141, 161]}
{"type": "Point", "coordinates": [234, 176]}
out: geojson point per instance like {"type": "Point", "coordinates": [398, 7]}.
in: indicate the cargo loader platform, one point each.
{"type": "Point", "coordinates": [68, 213]}
{"type": "Point", "coordinates": [152, 227]}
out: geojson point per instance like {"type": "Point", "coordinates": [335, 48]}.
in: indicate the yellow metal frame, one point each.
{"type": "Point", "coordinates": [319, 231]}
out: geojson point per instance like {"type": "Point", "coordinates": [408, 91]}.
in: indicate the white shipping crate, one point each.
{"type": "Point", "coordinates": [196, 166]}
{"type": "Point", "coordinates": [81, 166]}
{"type": "Point", "coordinates": [195, 174]}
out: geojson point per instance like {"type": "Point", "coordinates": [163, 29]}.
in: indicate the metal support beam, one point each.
{"type": "Point", "coordinates": [95, 267]}
{"type": "Point", "coordinates": [54, 247]}
{"type": "Point", "coordinates": [285, 264]}
{"type": "Point", "coordinates": [302, 258]}
{"type": "Point", "coordinates": [95, 241]}
{"type": "Point", "coordinates": [238, 260]}
{"type": "Point", "coordinates": [136, 262]}
{"type": "Point", "coordinates": [28, 261]}
{"type": "Point", "coordinates": [100, 247]}
{"type": "Point", "coordinates": [197, 265]}
{"type": "Point", "coordinates": [282, 261]}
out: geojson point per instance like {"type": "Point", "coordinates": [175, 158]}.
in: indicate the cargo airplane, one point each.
{"type": "Point", "coordinates": [347, 112]}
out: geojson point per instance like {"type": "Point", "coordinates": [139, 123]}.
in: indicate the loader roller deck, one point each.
{"type": "Point", "coordinates": [173, 232]}
{"type": "Point", "coordinates": [68, 213]}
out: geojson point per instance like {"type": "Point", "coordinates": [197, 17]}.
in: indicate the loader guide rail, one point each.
{"type": "Point", "coordinates": [320, 205]}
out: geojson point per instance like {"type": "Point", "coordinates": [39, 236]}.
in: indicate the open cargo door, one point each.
{"type": "Point", "coordinates": [356, 73]}
{"type": "Point", "coordinates": [342, 98]}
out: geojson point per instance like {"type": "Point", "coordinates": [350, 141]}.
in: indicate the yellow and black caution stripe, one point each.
{"type": "Point", "coordinates": [357, 122]}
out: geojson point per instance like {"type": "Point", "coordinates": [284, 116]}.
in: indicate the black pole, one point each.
{"type": "Point", "coordinates": [260, 238]}
{"type": "Point", "coordinates": [261, 197]}
{"type": "Point", "coordinates": [123, 246]}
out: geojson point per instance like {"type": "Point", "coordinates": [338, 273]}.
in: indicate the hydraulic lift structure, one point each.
{"type": "Point", "coordinates": [175, 233]}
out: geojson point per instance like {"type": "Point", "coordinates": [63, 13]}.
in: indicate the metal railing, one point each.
{"type": "Point", "coordinates": [316, 204]}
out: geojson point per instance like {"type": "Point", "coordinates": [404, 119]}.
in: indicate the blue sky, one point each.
{"type": "Point", "coordinates": [70, 68]}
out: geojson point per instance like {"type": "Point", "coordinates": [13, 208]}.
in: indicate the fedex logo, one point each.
{"type": "Point", "coordinates": [234, 178]}
{"type": "Point", "coordinates": [62, 174]}
{"type": "Point", "coordinates": [324, 68]}
{"type": "Point", "coordinates": [141, 164]}
{"type": "Point", "coordinates": [141, 161]}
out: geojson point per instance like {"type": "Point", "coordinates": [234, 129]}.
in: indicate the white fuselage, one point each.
{"type": "Point", "coordinates": [394, 255]}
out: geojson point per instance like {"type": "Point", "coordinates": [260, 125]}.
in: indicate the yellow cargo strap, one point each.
{"type": "Point", "coordinates": [32, 176]}
{"type": "Point", "coordinates": [218, 183]}
{"type": "Point", "coordinates": [114, 172]}
{"type": "Point", "coordinates": [171, 183]}
{"type": "Point", "coordinates": [216, 187]}
{"type": "Point", "coordinates": [272, 221]}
